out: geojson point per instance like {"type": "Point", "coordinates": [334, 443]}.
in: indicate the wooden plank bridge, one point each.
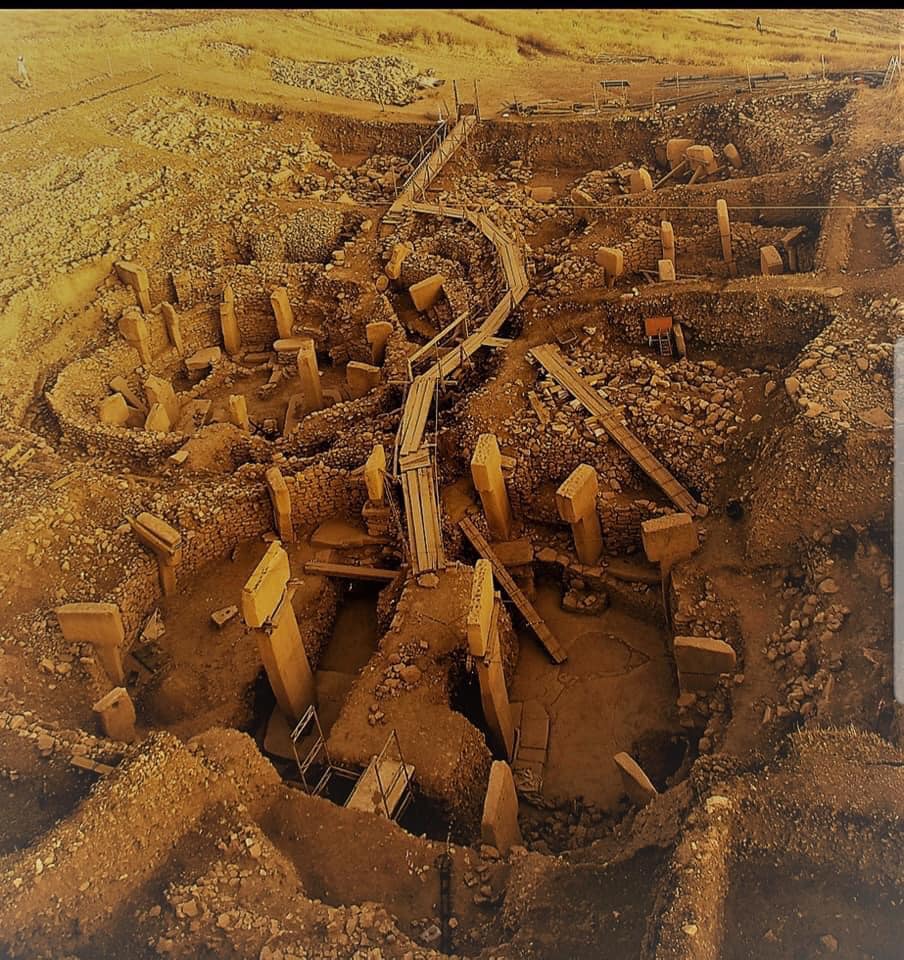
{"type": "Point", "coordinates": [414, 462]}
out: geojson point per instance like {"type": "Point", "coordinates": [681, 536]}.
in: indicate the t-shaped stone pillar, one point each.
{"type": "Point", "coordinates": [666, 540]}
{"type": "Point", "coordinates": [375, 474]}
{"type": "Point", "coordinates": [282, 310]}
{"type": "Point", "coordinates": [134, 330]}
{"type": "Point", "coordinates": [232, 339]}
{"type": "Point", "coordinates": [173, 326]}
{"type": "Point", "coordinates": [361, 378]}
{"type": "Point", "coordinates": [576, 501]}
{"type": "Point", "coordinates": [613, 261]}
{"type": "Point", "coordinates": [99, 624]}
{"type": "Point", "coordinates": [164, 541]}
{"type": "Point", "coordinates": [425, 293]}
{"type": "Point", "coordinates": [137, 278]}
{"type": "Point", "coordinates": [282, 504]}
{"type": "Point", "coordinates": [486, 472]}
{"type": "Point", "coordinates": [725, 236]}
{"type": "Point", "coordinates": [667, 238]}
{"type": "Point", "coordinates": [117, 715]}
{"type": "Point", "coordinates": [399, 252]}
{"type": "Point", "coordinates": [309, 376]}
{"type": "Point", "coordinates": [483, 644]}
{"type": "Point", "coordinates": [158, 390]}
{"type": "Point", "coordinates": [499, 823]}
{"type": "Point", "coordinates": [238, 411]}
{"type": "Point", "coordinates": [378, 333]}
{"type": "Point", "coordinates": [267, 607]}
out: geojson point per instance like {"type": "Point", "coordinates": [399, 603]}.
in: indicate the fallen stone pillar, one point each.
{"type": "Point", "coordinates": [157, 420]}
{"type": "Point", "coordinates": [666, 270]}
{"type": "Point", "coordinates": [117, 715]}
{"type": "Point", "coordinates": [158, 390]}
{"type": "Point", "coordinates": [669, 539]}
{"type": "Point", "coordinates": [238, 411]}
{"type": "Point", "coordinates": [675, 150]}
{"type": "Point", "coordinates": [770, 261]}
{"type": "Point", "coordinates": [499, 823]}
{"type": "Point", "coordinates": [486, 472]}
{"type": "Point", "coordinates": [309, 375]}
{"type": "Point", "coordinates": [701, 661]}
{"type": "Point", "coordinates": [378, 333]}
{"type": "Point", "coordinates": [137, 278]}
{"type": "Point", "coordinates": [541, 194]}
{"type": "Point", "coordinates": [636, 783]}
{"type": "Point", "coordinates": [134, 330]}
{"type": "Point", "coordinates": [99, 624]}
{"type": "Point", "coordinates": [725, 236]}
{"type": "Point", "coordinates": [576, 501]}
{"type": "Point", "coordinates": [667, 238]}
{"type": "Point", "coordinates": [113, 410]}
{"type": "Point", "coordinates": [361, 378]}
{"type": "Point", "coordinates": [173, 326]}
{"type": "Point", "coordinates": [640, 181]}
{"type": "Point", "coordinates": [425, 293]}
{"type": "Point", "coordinates": [201, 361]}
{"type": "Point", "coordinates": [282, 504]}
{"type": "Point", "coordinates": [612, 260]}
{"type": "Point", "coordinates": [164, 541]}
{"type": "Point", "coordinates": [282, 310]}
{"type": "Point", "coordinates": [232, 339]}
{"type": "Point", "coordinates": [702, 159]}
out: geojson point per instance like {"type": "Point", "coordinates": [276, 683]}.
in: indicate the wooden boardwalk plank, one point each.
{"type": "Point", "coordinates": [555, 364]}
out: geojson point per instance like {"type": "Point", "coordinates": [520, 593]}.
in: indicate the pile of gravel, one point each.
{"type": "Point", "coordinates": [381, 79]}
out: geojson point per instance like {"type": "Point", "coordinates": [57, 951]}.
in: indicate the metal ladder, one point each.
{"type": "Point", "coordinates": [894, 66]}
{"type": "Point", "coordinates": [664, 342]}
{"type": "Point", "coordinates": [394, 796]}
{"type": "Point", "coordinates": [317, 752]}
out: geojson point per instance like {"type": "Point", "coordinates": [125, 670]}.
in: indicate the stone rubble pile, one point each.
{"type": "Point", "coordinates": [391, 80]}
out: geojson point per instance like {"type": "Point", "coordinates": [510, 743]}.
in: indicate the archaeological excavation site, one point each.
{"type": "Point", "coordinates": [438, 526]}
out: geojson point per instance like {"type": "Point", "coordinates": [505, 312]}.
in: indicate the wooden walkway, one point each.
{"type": "Point", "coordinates": [417, 470]}
{"type": "Point", "coordinates": [555, 364]}
{"type": "Point", "coordinates": [528, 611]}
{"type": "Point", "coordinates": [424, 175]}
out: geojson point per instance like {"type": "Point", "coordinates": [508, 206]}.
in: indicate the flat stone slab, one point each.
{"type": "Point", "coordinates": [534, 726]}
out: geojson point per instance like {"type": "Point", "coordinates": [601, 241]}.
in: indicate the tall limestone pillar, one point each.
{"type": "Point", "coordinates": [486, 472]}
{"type": "Point", "coordinates": [309, 376]}
{"type": "Point", "coordinates": [484, 646]}
{"type": "Point", "coordinates": [232, 339]}
{"type": "Point", "coordinates": [282, 504]}
{"type": "Point", "coordinates": [99, 624]}
{"type": "Point", "coordinates": [576, 500]}
{"type": "Point", "coordinates": [282, 310]}
{"type": "Point", "coordinates": [267, 609]}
